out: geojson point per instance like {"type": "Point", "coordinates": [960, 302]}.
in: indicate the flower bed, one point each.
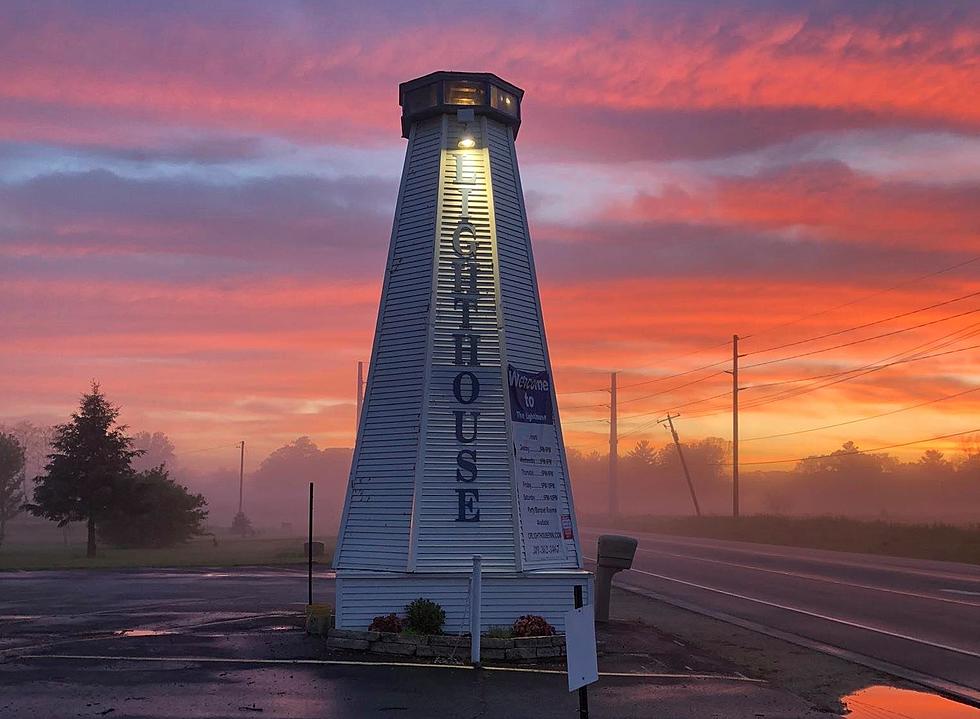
{"type": "Point", "coordinates": [518, 649]}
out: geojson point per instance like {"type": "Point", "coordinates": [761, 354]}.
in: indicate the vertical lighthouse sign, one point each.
{"type": "Point", "coordinates": [459, 450]}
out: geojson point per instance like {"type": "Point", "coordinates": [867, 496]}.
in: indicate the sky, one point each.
{"type": "Point", "coordinates": [196, 201]}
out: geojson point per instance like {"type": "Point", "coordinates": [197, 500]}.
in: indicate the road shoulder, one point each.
{"type": "Point", "coordinates": [818, 678]}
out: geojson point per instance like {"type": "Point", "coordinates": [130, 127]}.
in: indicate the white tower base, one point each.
{"type": "Point", "coordinates": [549, 593]}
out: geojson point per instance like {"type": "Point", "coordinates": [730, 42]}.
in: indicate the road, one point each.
{"type": "Point", "coordinates": [923, 616]}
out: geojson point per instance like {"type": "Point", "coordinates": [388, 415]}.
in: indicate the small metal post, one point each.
{"type": "Point", "coordinates": [583, 692]}
{"type": "Point", "coordinates": [309, 558]}
{"type": "Point", "coordinates": [476, 589]}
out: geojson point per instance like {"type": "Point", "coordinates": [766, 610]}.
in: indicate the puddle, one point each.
{"type": "Point", "coordinates": [144, 633]}
{"type": "Point", "coordinates": [882, 702]}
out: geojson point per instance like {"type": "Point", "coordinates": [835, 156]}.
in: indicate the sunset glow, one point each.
{"type": "Point", "coordinates": [196, 202]}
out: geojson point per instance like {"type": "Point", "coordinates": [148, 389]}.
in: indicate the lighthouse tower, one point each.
{"type": "Point", "coordinates": [459, 448]}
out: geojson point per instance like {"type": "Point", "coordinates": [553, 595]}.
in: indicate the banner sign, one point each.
{"type": "Point", "coordinates": [530, 396]}
{"type": "Point", "coordinates": [539, 468]}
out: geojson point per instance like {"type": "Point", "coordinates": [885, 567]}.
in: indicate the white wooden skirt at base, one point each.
{"type": "Point", "coordinates": [361, 596]}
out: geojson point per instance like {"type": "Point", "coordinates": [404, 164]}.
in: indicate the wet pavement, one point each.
{"type": "Point", "coordinates": [912, 617]}
{"type": "Point", "coordinates": [228, 643]}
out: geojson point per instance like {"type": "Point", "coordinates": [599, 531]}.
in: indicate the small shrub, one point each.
{"type": "Point", "coordinates": [425, 616]}
{"type": "Point", "coordinates": [500, 632]}
{"type": "Point", "coordinates": [531, 625]}
{"type": "Point", "coordinates": [390, 623]}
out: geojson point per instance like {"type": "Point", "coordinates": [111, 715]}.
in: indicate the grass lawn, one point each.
{"type": "Point", "coordinates": [230, 551]}
{"type": "Point", "coordinates": [920, 541]}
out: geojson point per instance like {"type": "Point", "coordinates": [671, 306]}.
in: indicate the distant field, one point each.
{"type": "Point", "coordinates": [919, 541]}
{"type": "Point", "coordinates": [230, 551]}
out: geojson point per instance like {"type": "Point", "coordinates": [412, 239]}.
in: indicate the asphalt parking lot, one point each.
{"type": "Point", "coordinates": [227, 643]}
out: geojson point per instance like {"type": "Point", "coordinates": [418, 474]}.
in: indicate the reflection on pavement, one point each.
{"type": "Point", "coordinates": [881, 702]}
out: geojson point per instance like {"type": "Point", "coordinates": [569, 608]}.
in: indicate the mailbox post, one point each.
{"type": "Point", "coordinates": [615, 554]}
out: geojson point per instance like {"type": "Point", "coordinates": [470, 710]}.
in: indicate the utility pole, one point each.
{"type": "Point", "coordinates": [735, 426]}
{"type": "Point", "coordinates": [241, 479]}
{"type": "Point", "coordinates": [669, 419]}
{"type": "Point", "coordinates": [360, 397]}
{"type": "Point", "coordinates": [613, 449]}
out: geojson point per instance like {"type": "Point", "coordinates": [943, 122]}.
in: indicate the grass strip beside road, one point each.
{"type": "Point", "coordinates": [202, 552]}
{"type": "Point", "coordinates": [944, 542]}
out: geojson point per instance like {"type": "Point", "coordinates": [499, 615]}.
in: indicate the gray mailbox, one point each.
{"type": "Point", "coordinates": [615, 554]}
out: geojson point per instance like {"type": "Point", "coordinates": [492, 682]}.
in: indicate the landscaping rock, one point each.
{"type": "Point", "coordinates": [355, 634]}
{"type": "Point", "coordinates": [416, 639]}
{"type": "Point", "coordinates": [491, 654]}
{"type": "Point", "coordinates": [520, 654]}
{"type": "Point", "coordinates": [548, 652]}
{"type": "Point", "coordinates": [405, 650]}
{"type": "Point", "coordinates": [494, 643]}
{"type": "Point", "coordinates": [344, 643]}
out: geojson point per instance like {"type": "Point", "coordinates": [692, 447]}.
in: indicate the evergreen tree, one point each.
{"type": "Point", "coordinates": [11, 478]}
{"type": "Point", "coordinates": [153, 511]}
{"type": "Point", "coordinates": [85, 472]}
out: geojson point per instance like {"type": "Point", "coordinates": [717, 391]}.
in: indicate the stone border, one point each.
{"type": "Point", "coordinates": [518, 649]}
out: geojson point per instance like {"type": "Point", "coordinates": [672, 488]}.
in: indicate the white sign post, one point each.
{"type": "Point", "coordinates": [583, 667]}
{"type": "Point", "coordinates": [580, 651]}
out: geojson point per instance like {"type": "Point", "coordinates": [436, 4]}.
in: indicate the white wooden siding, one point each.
{"type": "Point", "coordinates": [401, 510]}
{"type": "Point", "coordinates": [526, 346]}
{"type": "Point", "coordinates": [505, 597]}
{"type": "Point", "coordinates": [442, 542]}
{"type": "Point", "coordinates": [377, 511]}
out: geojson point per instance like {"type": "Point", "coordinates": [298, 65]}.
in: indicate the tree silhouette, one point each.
{"type": "Point", "coordinates": [153, 511]}
{"type": "Point", "coordinates": [157, 449]}
{"type": "Point", "coordinates": [11, 478]}
{"type": "Point", "coordinates": [84, 474]}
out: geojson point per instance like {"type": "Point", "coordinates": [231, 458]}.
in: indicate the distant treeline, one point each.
{"type": "Point", "coordinates": [847, 483]}
{"type": "Point", "coordinates": [651, 482]}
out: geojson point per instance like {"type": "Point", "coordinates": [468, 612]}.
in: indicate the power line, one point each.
{"type": "Point", "coordinates": [913, 354]}
{"type": "Point", "coordinates": [876, 367]}
{"type": "Point", "coordinates": [789, 394]}
{"type": "Point", "coordinates": [866, 297]}
{"type": "Point", "coordinates": [585, 391]}
{"type": "Point", "coordinates": [858, 451]}
{"type": "Point", "coordinates": [861, 419]}
{"type": "Point", "coordinates": [580, 421]}
{"type": "Point", "coordinates": [867, 324]}
{"type": "Point", "coordinates": [863, 370]}
{"type": "Point", "coordinates": [583, 406]}
{"type": "Point", "coordinates": [861, 341]}
{"type": "Point", "coordinates": [678, 406]}
{"type": "Point", "coordinates": [671, 389]}
{"type": "Point", "coordinates": [207, 449]}
{"type": "Point", "coordinates": [678, 374]}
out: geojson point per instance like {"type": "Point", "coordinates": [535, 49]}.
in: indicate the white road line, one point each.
{"type": "Point", "coordinates": [817, 615]}
{"type": "Point", "coordinates": [354, 663]}
{"type": "Point", "coordinates": [764, 549]}
{"type": "Point", "coordinates": [817, 578]}
{"type": "Point", "coordinates": [962, 591]}
{"type": "Point", "coordinates": [961, 692]}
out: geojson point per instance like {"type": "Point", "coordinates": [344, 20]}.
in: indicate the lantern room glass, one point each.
{"type": "Point", "coordinates": [459, 92]}
{"type": "Point", "coordinates": [503, 101]}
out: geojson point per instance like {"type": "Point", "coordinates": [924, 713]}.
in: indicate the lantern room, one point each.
{"type": "Point", "coordinates": [447, 92]}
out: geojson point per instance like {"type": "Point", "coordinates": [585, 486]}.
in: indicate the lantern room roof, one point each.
{"type": "Point", "coordinates": [447, 92]}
